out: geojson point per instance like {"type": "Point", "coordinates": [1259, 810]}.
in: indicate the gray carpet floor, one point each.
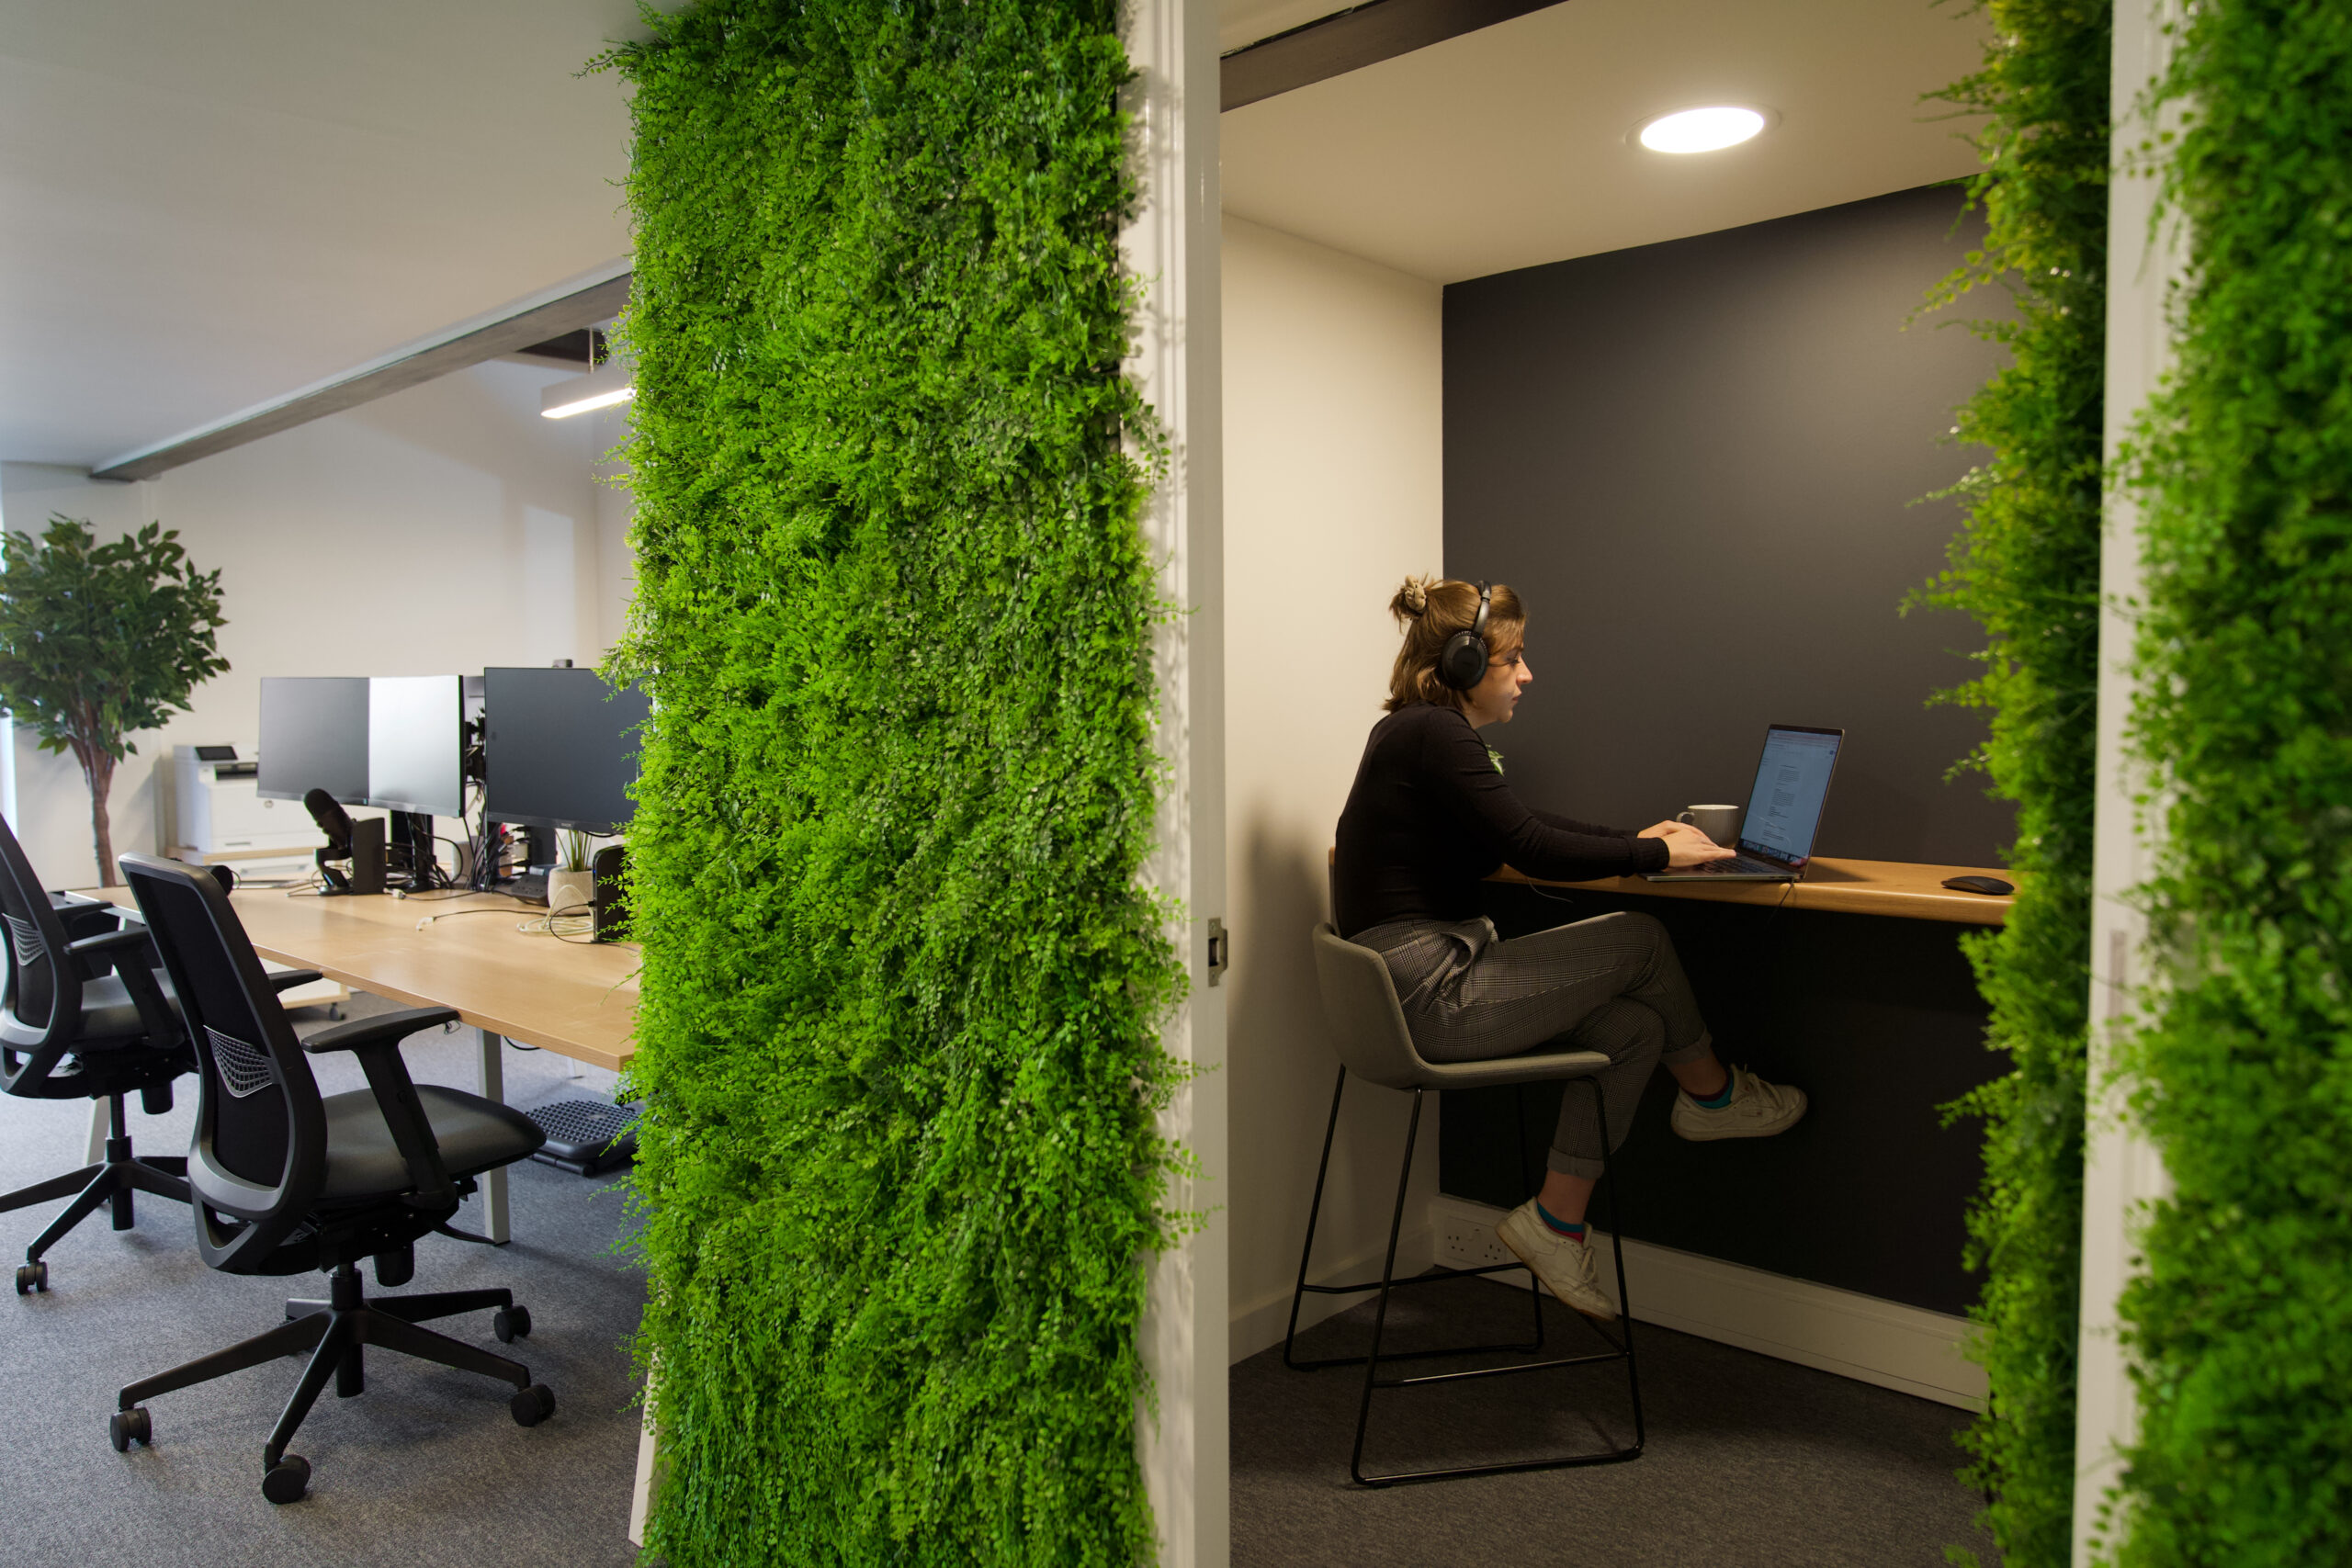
{"type": "Point", "coordinates": [1750, 1462]}
{"type": "Point", "coordinates": [425, 1469]}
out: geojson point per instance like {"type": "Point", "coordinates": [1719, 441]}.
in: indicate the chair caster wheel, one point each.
{"type": "Point", "coordinates": [125, 1428]}
{"type": "Point", "coordinates": [512, 1324]}
{"type": "Point", "coordinates": [533, 1404]}
{"type": "Point", "coordinates": [31, 1277]}
{"type": "Point", "coordinates": [287, 1480]}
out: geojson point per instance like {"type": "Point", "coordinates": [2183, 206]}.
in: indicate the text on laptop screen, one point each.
{"type": "Point", "coordinates": [1784, 810]}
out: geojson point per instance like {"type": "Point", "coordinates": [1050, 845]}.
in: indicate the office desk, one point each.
{"type": "Point", "coordinates": [1851, 985]}
{"type": "Point", "coordinates": [577, 999]}
{"type": "Point", "coordinates": [1897, 889]}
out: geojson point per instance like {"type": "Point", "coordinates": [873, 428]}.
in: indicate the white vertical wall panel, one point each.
{"type": "Point", "coordinates": [1173, 249]}
{"type": "Point", "coordinates": [2120, 1168]}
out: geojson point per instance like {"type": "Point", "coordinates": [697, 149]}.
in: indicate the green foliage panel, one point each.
{"type": "Point", "coordinates": [901, 991]}
{"type": "Point", "coordinates": [2241, 1325]}
{"type": "Point", "coordinates": [2026, 566]}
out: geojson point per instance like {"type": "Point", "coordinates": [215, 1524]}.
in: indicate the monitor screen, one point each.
{"type": "Point", "coordinates": [416, 744]}
{"type": "Point", "coordinates": [559, 748]}
{"type": "Point", "coordinates": [313, 736]}
{"type": "Point", "coordinates": [1784, 810]}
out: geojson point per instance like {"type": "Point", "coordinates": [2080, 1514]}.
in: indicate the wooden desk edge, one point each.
{"type": "Point", "coordinates": [1894, 893]}
{"type": "Point", "coordinates": [522, 1034]}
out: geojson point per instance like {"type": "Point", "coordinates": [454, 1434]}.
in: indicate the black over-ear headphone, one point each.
{"type": "Point", "coordinates": [1463, 664]}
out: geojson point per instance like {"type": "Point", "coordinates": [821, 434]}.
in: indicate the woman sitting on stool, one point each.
{"type": "Point", "coordinates": [1429, 816]}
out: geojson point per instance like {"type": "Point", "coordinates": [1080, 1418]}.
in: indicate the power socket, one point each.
{"type": "Point", "coordinates": [1468, 1241]}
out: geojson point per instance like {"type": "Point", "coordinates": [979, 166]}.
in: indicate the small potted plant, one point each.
{"type": "Point", "coordinates": [571, 885]}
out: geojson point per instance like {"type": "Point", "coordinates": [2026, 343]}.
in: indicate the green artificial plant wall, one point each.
{"type": "Point", "coordinates": [2026, 566]}
{"type": "Point", "coordinates": [2241, 1324]}
{"type": "Point", "coordinates": [899, 1035]}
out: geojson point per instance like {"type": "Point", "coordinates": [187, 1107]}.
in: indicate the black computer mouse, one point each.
{"type": "Point", "coordinates": [1979, 885]}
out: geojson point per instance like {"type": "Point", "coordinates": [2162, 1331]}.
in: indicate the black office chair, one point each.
{"type": "Point", "coordinates": [71, 1029]}
{"type": "Point", "coordinates": [286, 1180]}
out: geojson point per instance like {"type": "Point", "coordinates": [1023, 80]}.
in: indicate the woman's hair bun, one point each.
{"type": "Point", "coordinates": [1411, 599]}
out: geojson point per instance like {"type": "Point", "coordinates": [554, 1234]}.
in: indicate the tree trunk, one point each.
{"type": "Point", "coordinates": [97, 772]}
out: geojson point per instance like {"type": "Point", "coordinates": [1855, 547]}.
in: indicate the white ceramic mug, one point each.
{"type": "Point", "coordinates": [1720, 823]}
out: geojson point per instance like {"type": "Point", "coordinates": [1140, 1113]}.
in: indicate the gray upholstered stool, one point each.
{"type": "Point", "coordinates": [1368, 1028]}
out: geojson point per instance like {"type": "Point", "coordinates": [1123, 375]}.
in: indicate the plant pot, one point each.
{"type": "Point", "coordinates": [571, 892]}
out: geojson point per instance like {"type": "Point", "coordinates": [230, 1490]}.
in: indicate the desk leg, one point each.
{"type": "Point", "coordinates": [493, 1183]}
{"type": "Point", "coordinates": [101, 1129]}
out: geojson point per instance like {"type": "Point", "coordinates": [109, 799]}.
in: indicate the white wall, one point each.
{"type": "Point", "coordinates": [1332, 383]}
{"type": "Point", "coordinates": [431, 532]}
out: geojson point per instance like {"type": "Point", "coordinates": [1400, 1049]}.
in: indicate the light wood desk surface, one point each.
{"type": "Point", "coordinates": [578, 999]}
{"type": "Point", "coordinates": [1895, 888]}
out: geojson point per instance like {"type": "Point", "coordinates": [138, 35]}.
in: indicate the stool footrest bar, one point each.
{"type": "Point", "coordinates": [1410, 1355]}
{"type": "Point", "coordinates": [1496, 1371]}
{"type": "Point", "coordinates": [1434, 1276]}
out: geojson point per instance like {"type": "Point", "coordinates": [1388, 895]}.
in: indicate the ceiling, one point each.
{"type": "Point", "coordinates": [206, 206]}
{"type": "Point", "coordinates": [1507, 147]}
{"type": "Point", "coordinates": [203, 206]}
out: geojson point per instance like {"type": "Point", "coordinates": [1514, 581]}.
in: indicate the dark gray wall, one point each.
{"type": "Point", "coordinates": [1697, 462]}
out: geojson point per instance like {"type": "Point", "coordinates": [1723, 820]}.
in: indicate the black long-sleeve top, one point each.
{"type": "Point", "coordinates": [1429, 816]}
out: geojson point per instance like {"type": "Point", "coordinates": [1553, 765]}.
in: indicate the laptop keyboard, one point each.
{"type": "Point", "coordinates": [1741, 864]}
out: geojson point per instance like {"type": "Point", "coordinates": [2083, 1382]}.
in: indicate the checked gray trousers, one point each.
{"type": "Point", "coordinates": [1610, 984]}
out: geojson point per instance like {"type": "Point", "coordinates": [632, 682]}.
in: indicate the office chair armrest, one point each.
{"type": "Point", "coordinates": [293, 977]}
{"type": "Point", "coordinates": [377, 1043]}
{"type": "Point", "coordinates": [156, 1018]}
{"type": "Point", "coordinates": [108, 943]}
{"type": "Point", "coordinates": [386, 1028]}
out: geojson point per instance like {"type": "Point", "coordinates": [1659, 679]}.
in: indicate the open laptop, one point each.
{"type": "Point", "coordinates": [1784, 810]}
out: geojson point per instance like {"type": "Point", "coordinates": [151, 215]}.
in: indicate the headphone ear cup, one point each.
{"type": "Point", "coordinates": [1462, 663]}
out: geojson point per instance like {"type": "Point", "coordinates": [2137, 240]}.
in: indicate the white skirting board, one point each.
{"type": "Point", "coordinates": [1904, 1348]}
{"type": "Point", "coordinates": [1262, 1324]}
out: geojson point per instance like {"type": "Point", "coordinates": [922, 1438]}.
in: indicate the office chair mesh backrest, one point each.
{"type": "Point", "coordinates": [259, 1119]}
{"type": "Point", "coordinates": [43, 1000]}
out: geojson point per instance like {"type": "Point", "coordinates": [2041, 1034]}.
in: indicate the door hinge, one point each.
{"type": "Point", "coordinates": [1220, 950]}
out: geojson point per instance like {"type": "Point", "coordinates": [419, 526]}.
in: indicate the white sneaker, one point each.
{"type": "Point", "coordinates": [1758, 1109]}
{"type": "Point", "coordinates": [1568, 1268]}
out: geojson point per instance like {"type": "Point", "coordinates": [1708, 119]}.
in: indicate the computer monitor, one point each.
{"type": "Point", "coordinates": [313, 736]}
{"type": "Point", "coordinates": [559, 748]}
{"type": "Point", "coordinates": [416, 744]}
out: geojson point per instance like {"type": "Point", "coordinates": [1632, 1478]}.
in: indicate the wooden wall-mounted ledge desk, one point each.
{"type": "Point", "coordinates": [577, 999]}
{"type": "Point", "coordinates": [1897, 889]}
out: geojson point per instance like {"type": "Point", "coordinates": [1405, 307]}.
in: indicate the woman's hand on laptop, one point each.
{"type": "Point", "coordinates": [1685, 845]}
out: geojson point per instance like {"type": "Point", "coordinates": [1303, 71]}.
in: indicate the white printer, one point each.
{"type": "Point", "coordinates": [220, 819]}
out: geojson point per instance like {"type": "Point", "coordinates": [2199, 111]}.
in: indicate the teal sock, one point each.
{"type": "Point", "coordinates": [1718, 1101]}
{"type": "Point", "coordinates": [1572, 1229]}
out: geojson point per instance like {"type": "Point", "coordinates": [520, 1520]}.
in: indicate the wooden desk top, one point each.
{"type": "Point", "coordinates": [578, 999]}
{"type": "Point", "coordinates": [1894, 888]}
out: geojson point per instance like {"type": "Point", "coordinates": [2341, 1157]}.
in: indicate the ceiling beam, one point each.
{"type": "Point", "coordinates": [592, 297]}
{"type": "Point", "coordinates": [1352, 39]}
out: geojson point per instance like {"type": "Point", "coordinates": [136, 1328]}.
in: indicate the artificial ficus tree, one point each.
{"type": "Point", "coordinates": [99, 641]}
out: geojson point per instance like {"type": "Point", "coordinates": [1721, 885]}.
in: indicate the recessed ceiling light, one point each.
{"type": "Point", "coordinates": [1701, 130]}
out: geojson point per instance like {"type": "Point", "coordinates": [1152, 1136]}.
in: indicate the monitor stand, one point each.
{"type": "Point", "coordinates": [412, 847]}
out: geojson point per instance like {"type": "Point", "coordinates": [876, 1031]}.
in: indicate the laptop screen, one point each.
{"type": "Point", "coordinates": [1784, 810]}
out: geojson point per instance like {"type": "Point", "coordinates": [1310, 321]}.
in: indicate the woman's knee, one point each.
{"type": "Point", "coordinates": [1646, 931]}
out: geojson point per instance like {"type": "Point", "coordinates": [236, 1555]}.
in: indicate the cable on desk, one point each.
{"type": "Point", "coordinates": [572, 923]}
{"type": "Point", "coordinates": [453, 914]}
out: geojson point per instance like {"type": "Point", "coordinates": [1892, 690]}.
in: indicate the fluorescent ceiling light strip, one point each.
{"type": "Point", "coordinates": [589, 401]}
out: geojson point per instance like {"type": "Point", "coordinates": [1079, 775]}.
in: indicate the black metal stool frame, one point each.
{"type": "Point", "coordinates": [1621, 1344]}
